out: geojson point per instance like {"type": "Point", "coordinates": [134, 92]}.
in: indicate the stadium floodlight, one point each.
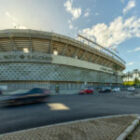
{"type": "Point", "coordinates": [25, 50]}
{"type": "Point", "coordinates": [55, 52]}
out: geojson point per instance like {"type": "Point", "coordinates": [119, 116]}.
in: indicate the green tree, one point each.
{"type": "Point", "coordinates": [136, 82]}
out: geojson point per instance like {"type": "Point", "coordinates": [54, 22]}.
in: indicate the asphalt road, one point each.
{"type": "Point", "coordinates": [69, 107]}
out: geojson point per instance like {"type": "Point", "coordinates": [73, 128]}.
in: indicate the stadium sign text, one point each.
{"type": "Point", "coordinates": [26, 57]}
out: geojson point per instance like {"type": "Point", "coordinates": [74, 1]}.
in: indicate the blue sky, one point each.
{"type": "Point", "coordinates": [112, 23]}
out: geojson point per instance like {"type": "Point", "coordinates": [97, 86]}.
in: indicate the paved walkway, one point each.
{"type": "Point", "coordinates": [93, 129]}
{"type": "Point", "coordinates": [129, 94]}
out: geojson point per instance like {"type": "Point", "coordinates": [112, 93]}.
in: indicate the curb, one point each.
{"type": "Point", "coordinates": [90, 119]}
{"type": "Point", "coordinates": [129, 129]}
{"type": "Point", "coordinates": [71, 122]}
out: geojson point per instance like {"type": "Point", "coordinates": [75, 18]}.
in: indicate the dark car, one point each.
{"type": "Point", "coordinates": [0, 92]}
{"type": "Point", "coordinates": [31, 96]}
{"type": "Point", "coordinates": [87, 91]}
{"type": "Point", "coordinates": [105, 90]}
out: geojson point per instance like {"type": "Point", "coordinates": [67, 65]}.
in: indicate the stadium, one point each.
{"type": "Point", "coordinates": [30, 58]}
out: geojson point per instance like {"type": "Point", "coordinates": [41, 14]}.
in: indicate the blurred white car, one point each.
{"type": "Point", "coordinates": [116, 89]}
{"type": "Point", "coordinates": [131, 88]}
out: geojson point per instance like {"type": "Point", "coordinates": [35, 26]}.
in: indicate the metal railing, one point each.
{"type": "Point", "coordinates": [102, 49]}
{"type": "Point", "coordinates": [94, 45]}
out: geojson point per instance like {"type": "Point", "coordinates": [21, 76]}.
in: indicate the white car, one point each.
{"type": "Point", "coordinates": [116, 89]}
{"type": "Point", "coordinates": [131, 88]}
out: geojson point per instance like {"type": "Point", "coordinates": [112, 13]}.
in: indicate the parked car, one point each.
{"type": "Point", "coordinates": [116, 89]}
{"type": "Point", "coordinates": [87, 91]}
{"type": "Point", "coordinates": [105, 90]}
{"type": "Point", "coordinates": [31, 96]}
{"type": "Point", "coordinates": [131, 88]}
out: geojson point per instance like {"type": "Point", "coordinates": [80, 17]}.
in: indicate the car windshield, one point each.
{"type": "Point", "coordinates": [35, 90]}
{"type": "Point", "coordinates": [69, 69]}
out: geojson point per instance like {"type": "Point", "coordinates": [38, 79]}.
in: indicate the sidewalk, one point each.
{"type": "Point", "coordinates": [89, 129]}
{"type": "Point", "coordinates": [128, 94]}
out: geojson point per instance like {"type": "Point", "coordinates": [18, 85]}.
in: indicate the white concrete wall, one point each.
{"type": "Point", "coordinates": [79, 63]}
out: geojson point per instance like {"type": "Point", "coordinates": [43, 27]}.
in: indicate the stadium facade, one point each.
{"type": "Point", "coordinates": [31, 58]}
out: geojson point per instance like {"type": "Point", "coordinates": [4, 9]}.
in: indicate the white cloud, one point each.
{"type": "Point", "coordinates": [75, 12]}
{"type": "Point", "coordinates": [70, 24]}
{"type": "Point", "coordinates": [135, 50]}
{"type": "Point", "coordinates": [87, 13]}
{"type": "Point", "coordinates": [96, 14]}
{"type": "Point", "coordinates": [115, 33]}
{"type": "Point", "coordinates": [130, 64]}
{"type": "Point", "coordinates": [10, 16]}
{"type": "Point", "coordinates": [122, 1]}
{"type": "Point", "coordinates": [131, 4]}
{"type": "Point", "coordinates": [14, 21]}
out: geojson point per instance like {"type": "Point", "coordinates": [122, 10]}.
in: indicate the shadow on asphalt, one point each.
{"type": "Point", "coordinates": [58, 96]}
{"type": "Point", "coordinates": [22, 105]}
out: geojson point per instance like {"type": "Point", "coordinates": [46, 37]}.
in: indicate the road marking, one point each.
{"type": "Point", "coordinates": [58, 106]}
